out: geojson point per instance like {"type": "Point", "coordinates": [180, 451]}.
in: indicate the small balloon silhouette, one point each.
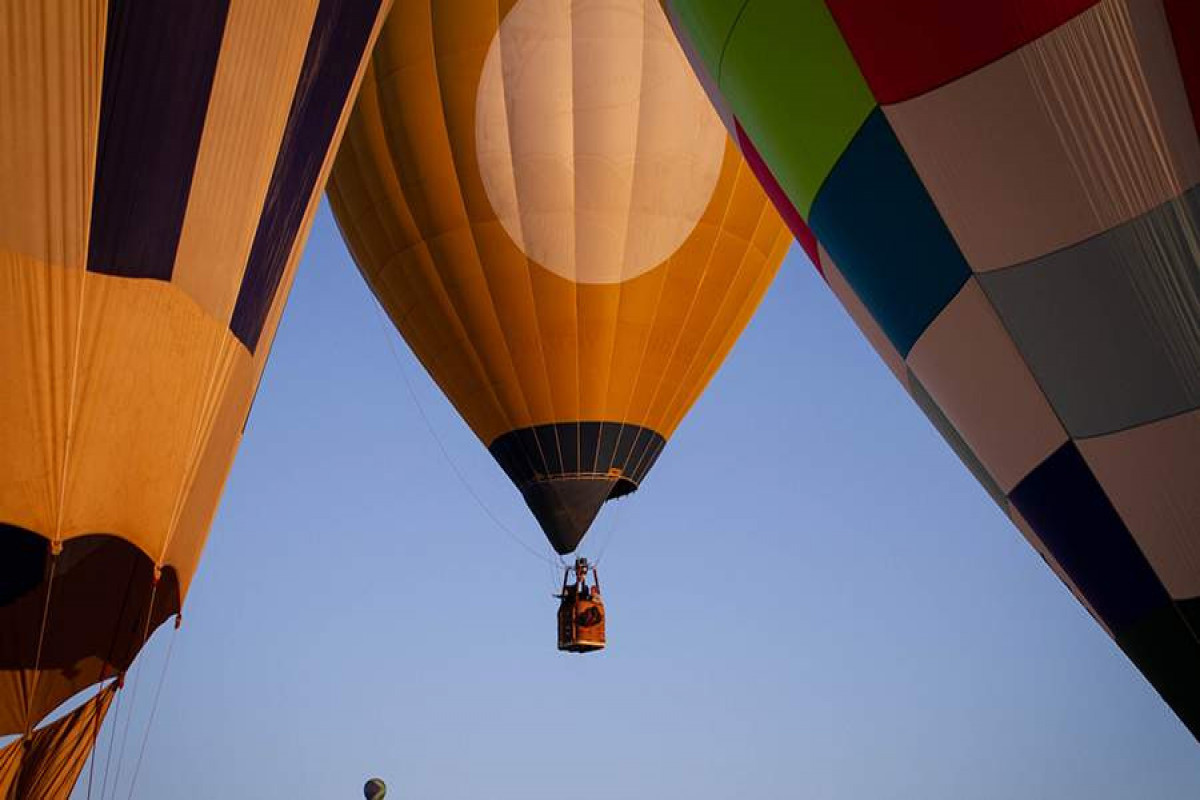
{"type": "Point", "coordinates": [375, 789]}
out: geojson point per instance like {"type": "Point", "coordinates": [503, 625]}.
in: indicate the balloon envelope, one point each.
{"type": "Point", "coordinates": [1004, 195]}
{"type": "Point", "coordinates": [159, 168]}
{"type": "Point", "coordinates": [544, 202]}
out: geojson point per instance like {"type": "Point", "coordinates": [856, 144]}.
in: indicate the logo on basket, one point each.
{"type": "Point", "coordinates": [590, 618]}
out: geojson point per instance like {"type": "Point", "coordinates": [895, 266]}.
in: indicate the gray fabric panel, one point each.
{"type": "Point", "coordinates": [1110, 327]}
{"type": "Point", "coordinates": [952, 437]}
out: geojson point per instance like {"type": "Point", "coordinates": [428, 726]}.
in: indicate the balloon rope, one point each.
{"type": "Point", "coordinates": [412, 393]}
{"type": "Point", "coordinates": [37, 658]}
{"type": "Point", "coordinates": [137, 767]}
{"type": "Point", "coordinates": [112, 737]}
{"type": "Point", "coordinates": [611, 534]}
{"type": "Point", "coordinates": [56, 541]}
{"type": "Point", "coordinates": [133, 689]}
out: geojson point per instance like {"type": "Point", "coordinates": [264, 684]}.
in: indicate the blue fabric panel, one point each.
{"type": "Point", "coordinates": [876, 220]}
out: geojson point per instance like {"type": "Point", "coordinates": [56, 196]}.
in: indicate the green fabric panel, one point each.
{"type": "Point", "coordinates": [794, 86]}
{"type": "Point", "coordinates": [707, 24]}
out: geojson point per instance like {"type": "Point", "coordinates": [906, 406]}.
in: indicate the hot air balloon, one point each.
{"type": "Point", "coordinates": [375, 789]}
{"type": "Point", "coordinates": [160, 164]}
{"type": "Point", "coordinates": [1004, 195]}
{"type": "Point", "coordinates": [542, 199]}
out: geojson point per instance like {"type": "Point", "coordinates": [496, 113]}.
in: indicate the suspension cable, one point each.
{"type": "Point", "coordinates": [162, 678]}
{"type": "Point", "coordinates": [412, 392]}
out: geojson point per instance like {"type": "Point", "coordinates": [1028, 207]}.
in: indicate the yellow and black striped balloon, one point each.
{"type": "Point", "coordinates": [542, 198]}
{"type": "Point", "coordinates": [160, 163]}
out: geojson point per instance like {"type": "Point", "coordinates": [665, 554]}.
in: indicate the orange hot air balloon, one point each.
{"type": "Point", "coordinates": [543, 200]}
{"type": "Point", "coordinates": [159, 167]}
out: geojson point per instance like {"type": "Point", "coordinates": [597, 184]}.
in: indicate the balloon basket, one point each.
{"type": "Point", "coordinates": [580, 610]}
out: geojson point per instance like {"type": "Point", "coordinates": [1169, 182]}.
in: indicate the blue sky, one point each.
{"type": "Point", "coordinates": [810, 597]}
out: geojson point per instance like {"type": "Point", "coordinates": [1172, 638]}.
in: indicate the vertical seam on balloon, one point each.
{"type": "Point", "coordinates": [730, 152]}
{"type": "Point", "coordinates": [625, 243]}
{"type": "Point", "coordinates": [729, 37]}
{"type": "Point", "coordinates": [212, 398]}
{"type": "Point", "coordinates": [528, 274]}
{"type": "Point", "coordinates": [669, 409]}
{"type": "Point", "coordinates": [432, 276]}
{"type": "Point", "coordinates": [528, 263]}
{"type": "Point", "coordinates": [467, 341]}
{"type": "Point", "coordinates": [430, 347]}
{"type": "Point", "coordinates": [64, 473]}
{"type": "Point", "coordinates": [725, 345]}
{"type": "Point", "coordinates": [562, 462]}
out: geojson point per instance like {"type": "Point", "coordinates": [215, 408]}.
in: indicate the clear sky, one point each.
{"type": "Point", "coordinates": [809, 598]}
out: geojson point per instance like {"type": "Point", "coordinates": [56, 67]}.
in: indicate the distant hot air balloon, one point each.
{"type": "Point", "coordinates": [160, 163]}
{"type": "Point", "coordinates": [375, 789]}
{"type": "Point", "coordinates": [1005, 194]}
{"type": "Point", "coordinates": [544, 202]}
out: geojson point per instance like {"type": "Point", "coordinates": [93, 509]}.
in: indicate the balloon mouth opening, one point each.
{"type": "Point", "coordinates": [100, 597]}
{"type": "Point", "coordinates": [622, 487]}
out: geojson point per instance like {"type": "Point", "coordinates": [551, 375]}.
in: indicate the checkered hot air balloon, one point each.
{"type": "Point", "coordinates": [1005, 195]}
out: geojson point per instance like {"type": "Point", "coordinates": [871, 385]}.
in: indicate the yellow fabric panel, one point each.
{"type": "Point", "coordinates": [47, 766]}
{"type": "Point", "coordinates": [247, 113]}
{"type": "Point", "coordinates": [49, 110]}
{"type": "Point", "coordinates": [151, 371]}
{"type": "Point", "coordinates": [511, 342]}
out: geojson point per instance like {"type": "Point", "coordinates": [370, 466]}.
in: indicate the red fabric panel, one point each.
{"type": "Point", "coordinates": [1184, 18]}
{"type": "Point", "coordinates": [778, 197]}
{"type": "Point", "coordinates": [908, 47]}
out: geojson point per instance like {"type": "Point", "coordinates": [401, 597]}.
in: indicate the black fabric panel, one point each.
{"type": "Point", "coordinates": [23, 557]}
{"type": "Point", "coordinates": [589, 447]}
{"type": "Point", "coordinates": [601, 445]}
{"type": "Point", "coordinates": [606, 445]}
{"type": "Point", "coordinates": [1164, 648]}
{"type": "Point", "coordinates": [566, 507]}
{"type": "Point", "coordinates": [159, 62]}
{"type": "Point", "coordinates": [339, 35]}
{"type": "Point", "coordinates": [1191, 613]}
{"type": "Point", "coordinates": [628, 441]}
{"type": "Point", "coordinates": [547, 445]}
{"type": "Point", "coordinates": [1069, 511]}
